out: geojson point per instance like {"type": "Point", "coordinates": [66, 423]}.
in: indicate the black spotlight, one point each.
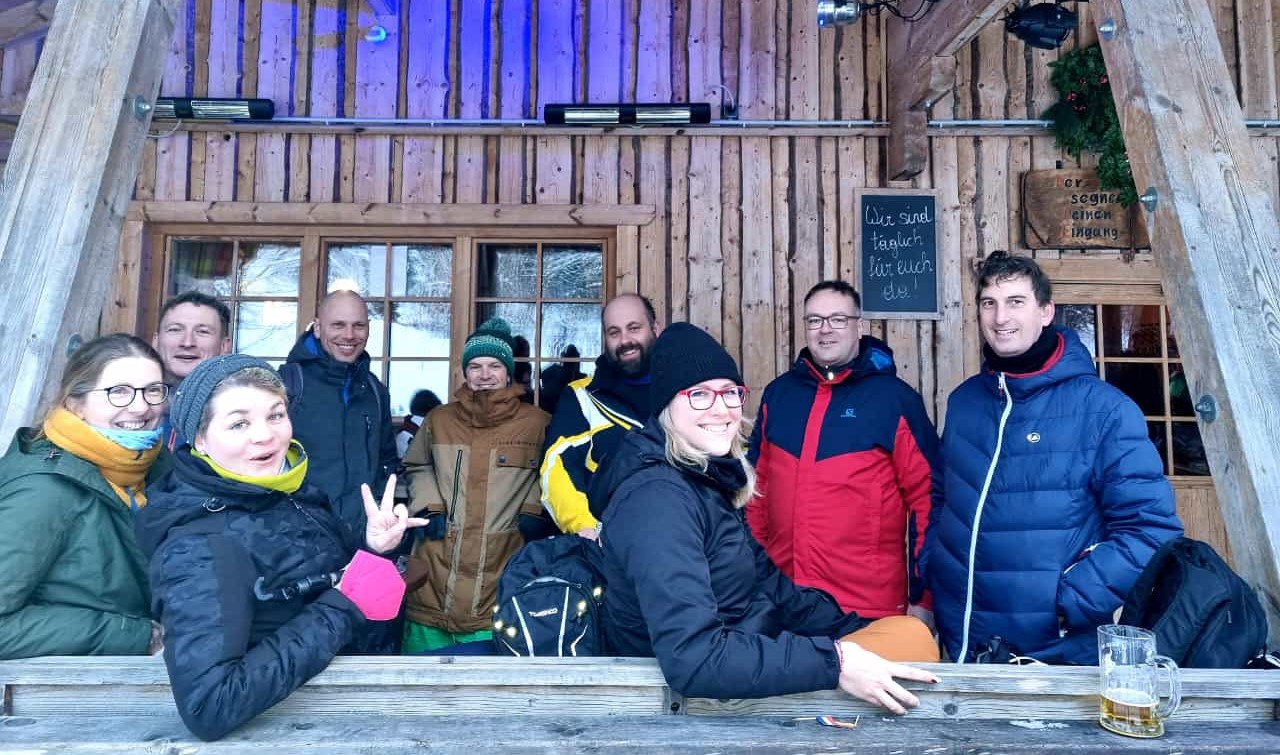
{"type": "Point", "coordinates": [1046, 25]}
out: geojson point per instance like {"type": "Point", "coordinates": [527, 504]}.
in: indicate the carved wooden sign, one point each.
{"type": "Point", "coordinates": [1068, 209]}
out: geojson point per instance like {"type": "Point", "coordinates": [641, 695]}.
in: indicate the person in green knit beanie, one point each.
{"type": "Point", "coordinates": [473, 473]}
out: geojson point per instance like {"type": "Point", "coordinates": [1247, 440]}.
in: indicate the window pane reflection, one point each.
{"type": "Point", "coordinates": [421, 270]}
{"type": "Point", "coordinates": [269, 269]}
{"type": "Point", "coordinates": [1131, 330]}
{"type": "Point", "coordinates": [1140, 382]}
{"type": "Point", "coordinates": [377, 329]}
{"type": "Point", "coordinates": [1156, 431]}
{"type": "Point", "coordinates": [1082, 318]}
{"type": "Point", "coordinates": [407, 378]}
{"type": "Point", "coordinates": [357, 267]}
{"type": "Point", "coordinates": [572, 272]}
{"type": "Point", "coordinates": [1188, 450]}
{"type": "Point", "coordinates": [519, 316]}
{"type": "Point", "coordinates": [203, 266]}
{"type": "Point", "coordinates": [576, 324]}
{"type": "Point", "coordinates": [420, 329]}
{"type": "Point", "coordinates": [506, 270]}
{"type": "Point", "coordinates": [1180, 403]}
{"type": "Point", "coordinates": [266, 328]}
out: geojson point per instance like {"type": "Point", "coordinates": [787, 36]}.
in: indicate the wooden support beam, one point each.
{"type": "Point", "coordinates": [67, 185]}
{"type": "Point", "coordinates": [1215, 235]}
{"type": "Point", "coordinates": [921, 69]}
{"type": "Point", "coordinates": [29, 19]}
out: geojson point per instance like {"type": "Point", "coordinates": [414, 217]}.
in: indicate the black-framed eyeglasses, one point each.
{"type": "Point", "coordinates": [122, 395]}
{"type": "Point", "coordinates": [701, 399]}
{"type": "Point", "coordinates": [837, 322]}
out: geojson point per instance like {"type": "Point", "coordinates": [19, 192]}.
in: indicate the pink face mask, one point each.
{"type": "Point", "coordinates": [374, 585]}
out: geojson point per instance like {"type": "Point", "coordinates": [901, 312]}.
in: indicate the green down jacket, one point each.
{"type": "Point", "coordinates": [74, 581]}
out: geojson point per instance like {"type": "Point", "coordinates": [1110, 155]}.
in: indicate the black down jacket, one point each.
{"type": "Point", "coordinates": [689, 585]}
{"type": "Point", "coordinates": [211, 541]}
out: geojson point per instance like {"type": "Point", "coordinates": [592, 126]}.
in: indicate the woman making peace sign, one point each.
{"type": "Point", "coordinates": [247, 561]}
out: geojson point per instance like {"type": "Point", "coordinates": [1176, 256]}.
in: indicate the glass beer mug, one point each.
{"type": "Point", "coordinates": [1131, 673]}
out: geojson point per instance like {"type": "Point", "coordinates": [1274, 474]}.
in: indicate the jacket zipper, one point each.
{"type": "Point", "coordinates": [977, 518]}
{"type": "Point", "coordinates": [451, 579]}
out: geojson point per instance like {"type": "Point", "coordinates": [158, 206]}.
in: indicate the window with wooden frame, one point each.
{"type": "Point", "coordinates": [427, 289]}
{"type": "Point", "coordinates": [1136, 350]}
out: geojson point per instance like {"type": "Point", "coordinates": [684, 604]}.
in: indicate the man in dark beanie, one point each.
{"type": "Point", "coordinates": [473, 472]}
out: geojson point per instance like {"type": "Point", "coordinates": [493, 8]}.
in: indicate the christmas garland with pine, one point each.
{"type": "Point", "coordinates": [1085, 118]}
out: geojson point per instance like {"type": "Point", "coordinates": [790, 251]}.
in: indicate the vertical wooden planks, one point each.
{"type": "Point", "coordinates": [628, 273]}
{"type": "Point", "coordinates": [604, 75]}
{"type": "Point", "coordinates": [223, 66]}
{"type": "Point", "coordinates": [783, 251]}
{"type": "Point", "coordinates": [653, 236]}
{"type": "Point", "coordinates": [1258, 49]}
{"type": "Point", "coordinates": [806, 245]}
{"type": "Point", "coordinates": [850, 160]}
{"type": "Point", "coordinates": [275, 59]}
{"type": "Point", "coordinates": [246, 143]}
{"type": "Point", "coordinates": [706, 253]}
{"type": "Point", "coordinates": [472, 79]}
{"type": "Point", "coordinates": [553, 180]}
{"type": "Point", "coordinates": [513, 98]}
{"type": "Point", "coordinates": [172, 152]}
{"type": "Point", "coordinates": [427, 82]}
{"type": "Point", "coordinates": [377, 79]}
{"type": "Point", "coordinates": [703, 51]}
{"type": "Point", "coordinates": [326, 91]}
{"type": "Point", "coordinates": [730, 248]}
{"type": "Point", "coordinates": [949, 341]}
{"type": "Point", "coordinates": [654, 45]}
{"type": "Point", "coordinates": [756, 63]}
{"type": "Point", "coordinates": [758, 311]}
{"type": "Point", "coordinates": [298, 146]}
{"type": "Point", "coordinates": [678, 212]}
{"type": "Point", "coordinates": [967, 183]}
{"type": "Point", "coordinates": [828, 207]}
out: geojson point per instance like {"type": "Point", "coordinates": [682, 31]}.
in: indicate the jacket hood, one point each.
{"type": "Point", "coordinates": [27, 455]}
{"type": "Point", "coordinates": [874, 358]}
{"type": "Point", "coordinates": [308, 349]}
{"type": "Point", "coordinates": [1069, 361]}
{"type": "Point", "coordinates": [638, 450]}
{"type": "Point", "coordinates": [645, 449]}
{"type": "Point", "coordinates": [192, 491]}
{"type": "Point", "coordinates": [488, 408]}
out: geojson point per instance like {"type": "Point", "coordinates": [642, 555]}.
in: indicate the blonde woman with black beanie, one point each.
{"type": "Point", "coordinates": [689, 585]}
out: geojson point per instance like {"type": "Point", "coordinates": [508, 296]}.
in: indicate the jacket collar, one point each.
{"type": "Point", "coordinates": [488, 408]}
{"type": "Point", "coordinates": [874, 357]}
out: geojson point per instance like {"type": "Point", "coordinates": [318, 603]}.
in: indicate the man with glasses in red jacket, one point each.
{"type": "Point", "coordinates": [847, 466]}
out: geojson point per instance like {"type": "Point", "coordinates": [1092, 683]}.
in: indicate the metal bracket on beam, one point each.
{"type": "Point", "coordinates": [1207, 408]}
{"type": "Point", "coordinates": [673, 702]}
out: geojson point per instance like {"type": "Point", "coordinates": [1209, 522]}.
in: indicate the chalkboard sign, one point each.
{"type": "Point", "coordinates": [898, 252]}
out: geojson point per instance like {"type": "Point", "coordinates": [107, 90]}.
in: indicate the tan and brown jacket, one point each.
{"type": "Point", "coordinates": [475, 460]}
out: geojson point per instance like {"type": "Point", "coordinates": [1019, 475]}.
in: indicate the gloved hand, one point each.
{"type": "Point", "coordinates": [437, 526]}
{"type": "Point", "coordinates": [535, 527]}
{"type": "Point", "coordinates": [374, 585]}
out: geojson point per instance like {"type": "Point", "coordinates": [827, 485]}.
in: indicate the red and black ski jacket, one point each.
{"type": "Point", "coordinates": [848, 473]}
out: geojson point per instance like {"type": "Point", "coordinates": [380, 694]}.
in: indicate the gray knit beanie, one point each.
{"type": "Point", "coordinates": [492, 339]}
{"type": "Point", "coordinates": [188, 402]}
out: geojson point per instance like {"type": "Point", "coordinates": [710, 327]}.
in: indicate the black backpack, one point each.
{"type": "Point", "coordinates": [549, 600]}
{"type": "Point", "coordinates": [1204, 615]}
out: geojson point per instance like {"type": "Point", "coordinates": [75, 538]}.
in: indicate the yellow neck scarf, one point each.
{"type": "Point", "coordinates": [286, 482]}
{"type": "Point", "coordinates": [124, 470]}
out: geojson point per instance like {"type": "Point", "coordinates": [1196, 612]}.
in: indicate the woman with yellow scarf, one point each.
{"type": "Point", "coordinates": [75, 581]}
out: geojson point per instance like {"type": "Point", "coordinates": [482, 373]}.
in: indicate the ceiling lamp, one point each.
{"type": "Point", "coordinates": [213, 109]}
{"type": "Point", "coordinates": [627, 114]}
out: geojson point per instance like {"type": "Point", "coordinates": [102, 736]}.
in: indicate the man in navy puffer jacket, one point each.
{"type": "Point", "coordinates": [1055, 496]}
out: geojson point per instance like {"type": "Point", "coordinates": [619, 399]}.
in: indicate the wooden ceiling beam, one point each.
{"type": "Point", "coordinates": [921, 69]}
{"type": "Point", "coordinates": [22, 22]}
{"type": "Point", "coordinates": [67, 186]}
{"type": "Point", "coordinates": [1216, 238]}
